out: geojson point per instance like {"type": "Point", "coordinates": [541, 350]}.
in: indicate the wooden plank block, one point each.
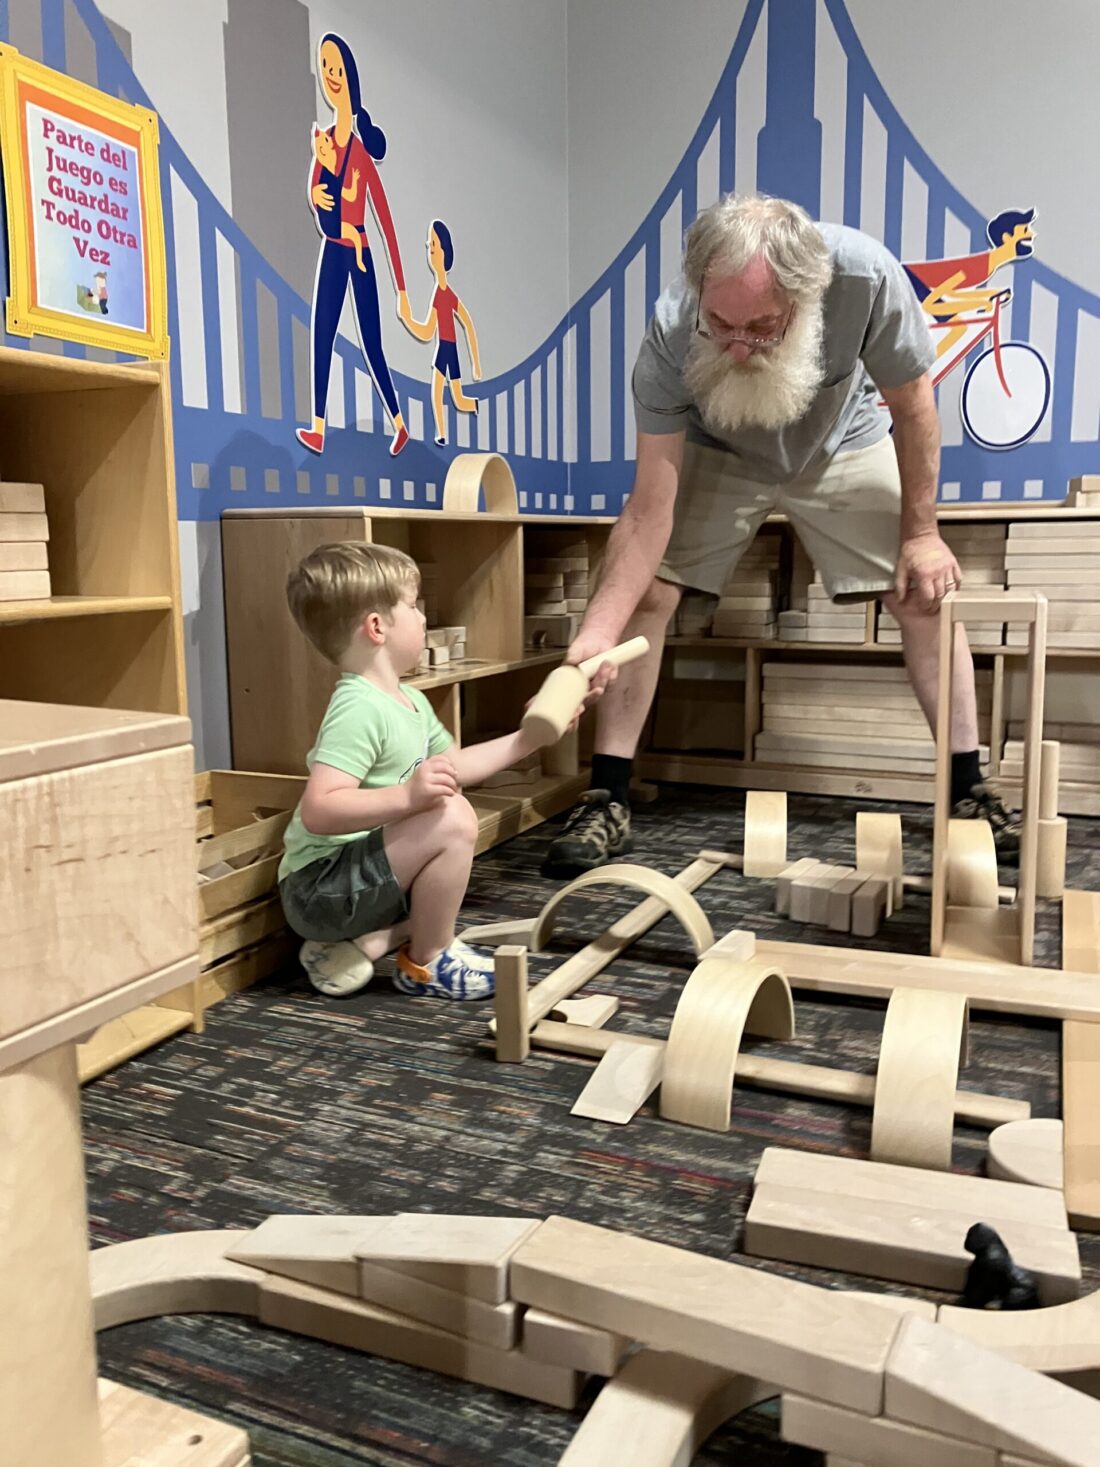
{"type": "Point", "coordinates": [791, 1334]}
{"type": "Point", "coordinates": [937, 1380]}
{"type": "Point", "coordinates": [510, 1004]}
{"type": "Point", "coordinates": [785, 880]}
{"type": "Point", "coordinates": [172, 1273]}
{"type": "Point", "coordinates": [1005, 988]}
{"type": "Point", "coordinates": [24, 527]}
{"type": "Point", "coordinates": [23, 555]}
{"type": "Point", "coordinates": [303, 1309]}
{"type": "Point", "coordinates": [658, 1411]}
{"type": "Point", "coordinates": [22, 499]}
{"type": "Point", "coordinates": [557, 1341]}
{"type": "Point", "coordinates": [993, 1202]}
{"type": "Point", "coordinates": [136, 1428]}
{"type": "Point", "coordinates": [458, 1314]}
{"type": "Point", "coordinates": [1081, 1115]}
{"type": "Point", "coordinates": [801, 888]}
{"type": "Point", "coordinates": [26, 585]}
{"type": "Point", "coordinates": [821, 893]}
{"type": "Point", "coordinates": [870, 905]}
{"type": "Point", "coordinates": [621, 1083]}
{"type": "Point", "coordinates": [886, 1443]}
{"type": "Point", "coordinates": [908, 1240]}
{"type": "Point", "coordinates": [310, 1250]}
{"type": "Point", "coordinates": [592, 1012]}
{"type": "Point", "coordinates": [838, 917]}
{"type": "Point", "coordinates": [468, 1254]}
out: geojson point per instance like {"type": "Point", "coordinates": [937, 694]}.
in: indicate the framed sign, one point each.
{"type": "Point", "coordinates": [85, 229]}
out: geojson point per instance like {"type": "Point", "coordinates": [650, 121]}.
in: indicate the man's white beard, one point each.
{"type": "Point", "coordinates": [772, 388]}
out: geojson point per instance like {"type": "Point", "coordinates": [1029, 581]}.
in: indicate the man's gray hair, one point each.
{"type": "Point", "coordinates": [728, 236]}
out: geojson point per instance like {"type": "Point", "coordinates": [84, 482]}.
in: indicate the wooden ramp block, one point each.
{"type": "Point", "coordinates": [971, 864]}
{"type": "Point", "coordinates": [903, 1224]}
{"type": "Point", "coordinates": [923, 1045]}
{"type": "Point", "coordinates": [765, 832]}
{"type": "Point", "coordinates": [937, 1380]}
{"type": "Point", "coordinates": [172, 1273]}
{"type": "Point", "coordinates": [466, 1254]}
{"type": "Point", "coordinates": [356, 1325]}
{"type": "Point", "coordinates": [658, 1411]}
{"type": "Point", "coordinates": [981, 935]}
{"type": "Point", "coordinates": [1064, 1341]}
{"type": "Point", "coordinates": [796, 1336]}
{"type": "Point", "coordinates": [143, 1431]}
{"type": "Point", "coordinates": [622, 1082]}
{"type": "Point", "coordinates": [556, 1341]}
{"type": "Point", "coordinates": [1027, 1151]}
{"type": "Point", "coordinates": [491, 1324]}
{"type": "Point", "coordinates": [312, 1250]}
{"type": "Point", "coordinates": [591, 1013]}
{"type": "Point", "coordinates": [879, 849]}
{"type": "Point", "coordinates": [875, 1439]}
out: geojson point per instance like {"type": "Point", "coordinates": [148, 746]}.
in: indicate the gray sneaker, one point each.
{"type": "Point", "coordinates": [597, 831]}
{"type": "Point", "coordinates": [985, 803]}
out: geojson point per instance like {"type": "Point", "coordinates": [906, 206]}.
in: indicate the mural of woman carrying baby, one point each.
{"type": "Point", "coordinates": [344, 175]}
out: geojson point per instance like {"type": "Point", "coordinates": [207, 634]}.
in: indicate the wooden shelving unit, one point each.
{"type": "Point", "coordinates": [98, 437]}
{"type": "Point", "coordinates": [279, 687]}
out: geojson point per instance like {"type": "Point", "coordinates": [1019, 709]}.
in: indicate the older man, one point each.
{"type": "Point", "coordinates": [758, 388]}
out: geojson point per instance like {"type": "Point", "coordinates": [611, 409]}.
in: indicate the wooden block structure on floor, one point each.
{"type": "Point", "coordinates": [959, 934]}
{"type": "Point", "coordinates": [765, 851]}
{"type": "Point", "coordinates": [902, 1223]}
{"type": "Point", "coordinates": [837, 897]}
{"type": "Point", "coordinates": [924, 1042]}
{"type": "Point", "coordinates": [1081, 1069]}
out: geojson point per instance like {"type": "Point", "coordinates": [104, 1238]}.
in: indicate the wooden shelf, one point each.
{"type": "Point", "coordinates": [470, 669]}
{"type": "Point", "coordinates": [741, 644]}
{"type": "Point", "coordinates": [34, 372]}
{"type": "Point", "coordinates": [58, 608]}
{"type": "Point", "coordinates": [122, 1038]}
{"type": "Point", "coordinates": [381, 512]}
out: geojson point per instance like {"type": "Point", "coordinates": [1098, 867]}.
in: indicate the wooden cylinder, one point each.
{"type": "Point", "coordinates": [555, 703]}
{"type": "Point", "coordinates": [617, 656]}
{"type": "Point", "coordinates": [48, 1400]}
{"type": "Point", "coordinates": [1050, 770]}
{"type": "Point", "coordinates": [564, 757]}
{"type": "Point", "coordinates": [1050, 880]}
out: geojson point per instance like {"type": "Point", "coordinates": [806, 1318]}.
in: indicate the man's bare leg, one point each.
{"type": "Point", "coordinates": [920, 640]}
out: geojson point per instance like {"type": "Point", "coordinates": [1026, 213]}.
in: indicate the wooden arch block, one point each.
{"type": "Point", "coordinates": [679, 902]}
{"type": "Point", "coordinates": [923, 1044]}
{"type": "Point", "coordinates": [765, 833]}
{"type": "Point", "coordinates": [469, 474]}
{"type": "Point", "coordinates": [721, 1000]}
{"type": "Point", "coordinates": [879, 850]}
{"type": "Point", "coordinates": [971, 865]}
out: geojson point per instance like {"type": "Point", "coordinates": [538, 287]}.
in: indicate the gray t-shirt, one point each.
{"type": "Point", "coordinates": [875, 336]}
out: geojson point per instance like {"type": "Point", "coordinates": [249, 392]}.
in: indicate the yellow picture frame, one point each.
{"type": "Point", "coordinates": [71, 174]}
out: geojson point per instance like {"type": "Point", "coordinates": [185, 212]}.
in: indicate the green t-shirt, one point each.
{"type": "Point", "coordinates": [372, 736]}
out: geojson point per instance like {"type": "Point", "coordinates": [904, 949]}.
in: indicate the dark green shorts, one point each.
{"type": "Point", "coordinates": [345, 895]}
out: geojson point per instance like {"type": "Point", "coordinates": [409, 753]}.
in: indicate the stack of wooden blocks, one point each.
{"type": "Point", "coordinates": [823, 717]}
{"type": "Point", "coordinates": [443, 645]}
{"type": "Point", "coordinates": [837, 897]}
{"type": "Point", "coordinates": [980, 551]}
{"type": "Point", "coordinates": [1080, 757]}
{"type": "Point", "coordinates": [429, 591]}
{"type": "Point", "coordinates": [1061, 563]}
{"type": "Point", "coordinates": [747, 606]}
{"type": "Point", "coordinates": [24, 532]}
{"type": "Point", "coordinates": [1084, 493]}
{"type": "Point", "coordinates": [820, 619]}
{"type": "Point", "coordinates": [556, 587]}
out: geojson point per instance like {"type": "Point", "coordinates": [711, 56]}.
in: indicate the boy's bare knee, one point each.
{"type": "Point", "coordinates": [460, 819]}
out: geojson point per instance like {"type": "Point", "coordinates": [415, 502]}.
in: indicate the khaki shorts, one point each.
{"type": "Point", "coordinates": [847, 516]}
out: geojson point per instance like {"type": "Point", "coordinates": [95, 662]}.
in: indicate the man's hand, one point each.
{"type": "Point", "coordinates": [591, 644]}
{"type": "Point", "coordinates": [926, 571]}
{"type": "Point", "coordinates": [434, 781]}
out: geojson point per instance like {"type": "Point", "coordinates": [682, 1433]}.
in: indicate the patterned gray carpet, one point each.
{"type": "Point", "coordinates": [293, 1103]}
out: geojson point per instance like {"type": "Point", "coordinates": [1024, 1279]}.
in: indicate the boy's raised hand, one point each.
{"type": "Point", "coordinates": [435, 780]}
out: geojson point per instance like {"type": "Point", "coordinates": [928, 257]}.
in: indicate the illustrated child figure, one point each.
{"type": "Point", "coordinates": [379, 850]}
{"type": "Point", "coordinates": [324, 150]}
{"type": "Point", "coordinates": [444, 310]}
{"type": "Point", "coordinates": [101, 290]}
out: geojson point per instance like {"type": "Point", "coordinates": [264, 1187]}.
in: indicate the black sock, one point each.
{"type": "Point", "coordinates": [609, 772]}
{"type": "Point", "coordinates": [966, 772]}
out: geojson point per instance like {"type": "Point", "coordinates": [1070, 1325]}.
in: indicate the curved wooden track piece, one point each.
{"type": "Point", "coordinates": [173, 1273]}
{"type": "Point", "coordinates": [879, 849]}
{"type": "Point", "coordinates": [721, 1000]}
{"type": "Point", "coordinates": [971, 870]}
{"type": "Point", "coordinates": [1028, 1151]}
{"type": "Point", "coordinates": [679, 902]}
{"type": "Point", "coordinates": [923, 1045]}
{"type": "Point", "coordinates": [659, 1410]}
{"type": "Point", "coordinates": [1061, 1340]}
{"type": "Point", "coordinates": [765, 833]}
{"type": "Point", "coordinates": [469, 474]}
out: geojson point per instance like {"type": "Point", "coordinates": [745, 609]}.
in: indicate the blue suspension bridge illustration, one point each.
{"type": "Point", "coordinates": [798, 112]}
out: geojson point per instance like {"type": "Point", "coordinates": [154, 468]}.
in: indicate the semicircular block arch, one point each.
{"type": "Point", "coordinates": [971, 870]}
{"type": "Point", "coordinates": [721, 1001]}
{"type": "Point", "coordinates": [469, 474]}
{"type": "Point", "coordinates": [924, 1043]}
{"type": "Point", "coordinates": [879, 849]}
{"type": "Point", "coordinates": [670, 893]}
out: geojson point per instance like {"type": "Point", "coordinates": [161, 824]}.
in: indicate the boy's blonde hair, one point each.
{"type": "Point", "coordinates": [336, 586]}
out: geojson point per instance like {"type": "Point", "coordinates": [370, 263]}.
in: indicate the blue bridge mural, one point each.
{"type": "Point", "coordinates": [798, 111]}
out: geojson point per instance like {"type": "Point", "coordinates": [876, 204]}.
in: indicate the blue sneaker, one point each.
{"type": "Point", "coordinates": [457, 972]}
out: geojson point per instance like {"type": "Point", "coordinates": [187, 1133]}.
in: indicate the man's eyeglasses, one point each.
{"type": "Point", "coordinates": [724, 336]}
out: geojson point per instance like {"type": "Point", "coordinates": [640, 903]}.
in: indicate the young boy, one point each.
{"type": "Point", "coordinates": [378, 852]}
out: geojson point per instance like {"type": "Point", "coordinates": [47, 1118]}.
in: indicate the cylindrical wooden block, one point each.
{"type": "Point", "coordinates": [1050, 770]}
{"type": "Point", "coordinates": [554, 705]}
{"type": "Point", "coordinates": [564, 757]}
{"type": "Point", "coordinates": [48, 1400]}
{"type": "Point", "coordinates": [1050, 858]}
